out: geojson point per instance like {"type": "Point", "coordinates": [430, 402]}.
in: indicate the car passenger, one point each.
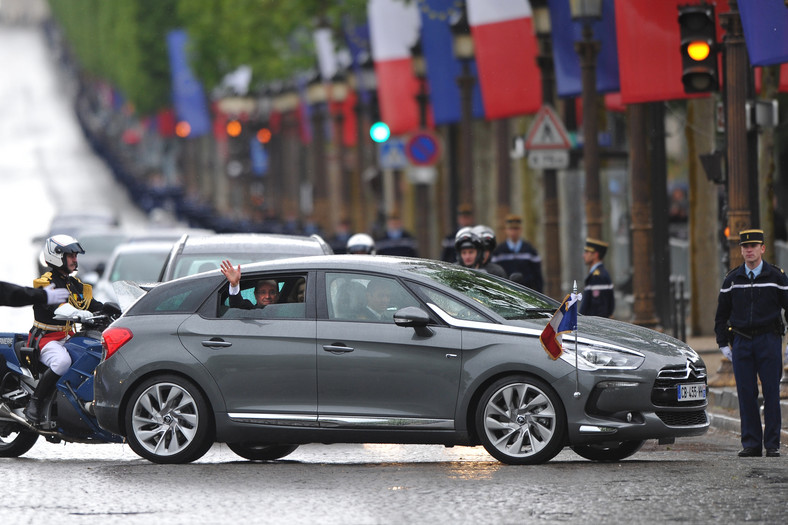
{"type": "Point", "coordinates": [265, 291]}
{"type": "Point", "coordinates": [378, 301]}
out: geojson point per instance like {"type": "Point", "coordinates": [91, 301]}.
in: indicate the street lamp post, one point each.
{"type": "Point", "coordinates": [586, 12]}
{"type": "Point", "coordinates": [340, 186]}
{"type": "Point", "coordinates": [285, 103]}
{"type": "Point", "coordinates": [366, 83]}
{"type": "Point", "coordinates": [422, 189]}
{"type": "Point", "coordinates": [464, 51]}
{"type": "Point", "coordinates": [552, 258]}
{"type": "Point", "coordinates": [317, 95]}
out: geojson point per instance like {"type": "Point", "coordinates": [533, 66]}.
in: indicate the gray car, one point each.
{"type": "Point", "coordinates": [388, 350]}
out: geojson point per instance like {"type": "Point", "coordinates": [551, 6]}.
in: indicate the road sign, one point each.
{"type": "Point", "coordinates": [547, 159]}
{"type": "Point", "coordinates": [423, 148]}
{"type": "Point", "coordinates": [547, 132]}
{"type": "Point", "coordinates": [391, 154]}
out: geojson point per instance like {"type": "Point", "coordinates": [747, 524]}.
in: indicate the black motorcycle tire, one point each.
{"type": "Point", "coordinates": [257, 452]}
{"type": "Point", "coordinates": [180, 431]}
{"type": "Point", "coordinates": [16, 446]}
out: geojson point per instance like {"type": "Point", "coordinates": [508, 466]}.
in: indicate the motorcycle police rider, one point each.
{"type": "Point", "coordinates": [48, 334]}
{"type": "Point", "coordinates": [468, 247]}
{"type": "Point", "coordinates": [487, 237]}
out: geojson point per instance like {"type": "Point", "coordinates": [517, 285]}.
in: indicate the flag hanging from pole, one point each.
{"type": "Point", "coordinates": [564, 320]}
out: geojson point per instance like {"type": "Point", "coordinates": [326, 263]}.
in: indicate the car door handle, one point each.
{"type": "Point", "coordinates": [337, 348]}
{"type": "Point", "coordinates": [216, 342]}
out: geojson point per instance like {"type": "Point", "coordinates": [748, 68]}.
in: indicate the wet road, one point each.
{"type": "Point", "coordinates": [698, 480]}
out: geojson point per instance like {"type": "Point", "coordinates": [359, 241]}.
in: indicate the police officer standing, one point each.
{"type": "Point", "coordinates": [749, 332]}
{"type": "Point", "coordinates": [598, 298]}
{"type": "Point", "coordinates": [518, 257]}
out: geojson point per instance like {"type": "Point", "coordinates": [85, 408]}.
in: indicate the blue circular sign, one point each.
{"type": "Point", "coordinates": [423, 149]}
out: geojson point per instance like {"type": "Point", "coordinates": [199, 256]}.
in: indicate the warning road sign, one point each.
{"type": "Point", "coordinates": [547, 132]}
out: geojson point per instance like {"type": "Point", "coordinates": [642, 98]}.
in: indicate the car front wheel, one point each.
{"type": "Point", "coordinates": [613, 451]}
{"type": "Point", "coordinates": [261, 452]}
{"type": "Point", "coordinates": [521, 421]}
{"type": "Point", "coordinates": [168, 421]}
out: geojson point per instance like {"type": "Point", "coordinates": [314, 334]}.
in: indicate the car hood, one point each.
{"type": "Point", "coordinates": [627, 335]}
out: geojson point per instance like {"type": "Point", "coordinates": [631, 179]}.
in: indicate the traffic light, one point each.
{"type": "Point", "coordinates": [379, 132]}
{"type": "Point", "coordinates": [698, 48]}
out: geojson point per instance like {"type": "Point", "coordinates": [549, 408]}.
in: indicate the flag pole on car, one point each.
{"type": "Point", "coordinates": [564, 320]}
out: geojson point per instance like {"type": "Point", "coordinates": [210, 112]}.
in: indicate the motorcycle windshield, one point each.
{"type": "Point", "coordinates": [127, 293]}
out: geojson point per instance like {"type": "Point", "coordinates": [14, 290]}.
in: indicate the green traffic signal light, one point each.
{"type": "Point", "coordinates": [379, 132]}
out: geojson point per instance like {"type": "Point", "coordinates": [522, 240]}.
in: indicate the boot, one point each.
{"type": "Point", "coordinates": [45, 387]}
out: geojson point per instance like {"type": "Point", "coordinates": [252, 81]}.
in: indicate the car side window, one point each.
{"type": "Point", "coordinates": [361, 297]}
{"type": "Point", "coordinates": [264, 297]}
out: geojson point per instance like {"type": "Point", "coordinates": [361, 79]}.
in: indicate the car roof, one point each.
{"type": "Point", "coordinates": [253, 242]}
{"type": "Point", "coordinates": [144, 246]}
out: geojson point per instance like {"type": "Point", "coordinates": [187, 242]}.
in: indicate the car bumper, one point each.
{"type": "Point", "coordinates": [108, 392]}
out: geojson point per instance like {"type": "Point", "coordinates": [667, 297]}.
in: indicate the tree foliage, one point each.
{"type": "Point", "coordinates": [124, 41]}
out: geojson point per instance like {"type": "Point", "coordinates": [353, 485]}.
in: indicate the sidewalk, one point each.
{"type": "Point", "coordinates": [723, 401]}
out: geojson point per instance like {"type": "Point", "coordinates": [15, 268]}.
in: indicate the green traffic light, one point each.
{"type": "Point", "coordinates": [379, 132]}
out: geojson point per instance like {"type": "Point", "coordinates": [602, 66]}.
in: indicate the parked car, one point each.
{"type": "Point", "coordinates": [454, 358]}
{"type": "Point", "coordinates": [140, 262]}
{"type": "Point", "coordinates": [200, 253]}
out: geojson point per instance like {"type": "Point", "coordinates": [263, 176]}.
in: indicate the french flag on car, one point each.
{"type": "Point", "coordinates": [564, 320]}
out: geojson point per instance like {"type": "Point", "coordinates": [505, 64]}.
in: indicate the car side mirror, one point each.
{"type": "Point", "coordinates": [413, 317]}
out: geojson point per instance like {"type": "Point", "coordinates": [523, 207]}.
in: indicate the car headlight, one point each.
{"type": "Point", "coordinates": [591, 357]}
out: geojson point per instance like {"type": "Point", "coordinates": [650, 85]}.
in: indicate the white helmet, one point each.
{"type": "Point", "coordinates": [361, 243]}
{"type": "Point", "coordinates": [56, 248]}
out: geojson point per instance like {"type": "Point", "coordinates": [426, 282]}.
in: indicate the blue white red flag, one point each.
{"type": "Point", "coordinates": [765, 25]}
{"type": "Point", "coordinates": [187, 92]}
{"type": "Point", "coordinates": [566, 32]}
{"type": "Point", "coordinates": [564, 320]}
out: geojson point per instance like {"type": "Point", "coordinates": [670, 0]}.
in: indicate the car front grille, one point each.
{"type": "Point", "coordinates": [683, 419]}
{"type": "Point", "coordinates": [664, 391]}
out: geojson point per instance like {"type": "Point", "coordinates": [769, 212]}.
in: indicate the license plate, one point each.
{"type": "Point", "coordinates": [691, 392]}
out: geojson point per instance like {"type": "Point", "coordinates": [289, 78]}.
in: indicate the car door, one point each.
{"type": "Point", "coordinates": [262, 359]}
{"type": "Point", "coordinates": [374, 373]}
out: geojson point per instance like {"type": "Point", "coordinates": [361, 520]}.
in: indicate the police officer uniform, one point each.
{"type": "Point", "coordinates": [396, 241]}
{"type": "Point", "coordinates": [598, 296]}
{"type": "Point", "coordinates": [14, 295]}
{"type": "Point", "coordinates": [519, 257]}
{"type": "Point", "coordinates": [748, 321]}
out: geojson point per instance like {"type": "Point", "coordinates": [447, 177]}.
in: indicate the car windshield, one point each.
{"type": "Point", "coordinates": [101, 244]}
{"type": "Point", "coordinates": [506, 298]}
{"type": "Point", "coordinates": [141, 267]}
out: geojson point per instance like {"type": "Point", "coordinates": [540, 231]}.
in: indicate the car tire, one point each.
{"type": "Point", "coordinates": [17, 443]}
{"type": "Point", "coordinates": [521, 421]}
{"type": "Point", "coordinates": [611, 451]}
{"type": "Point", "coordinates": [168, 420]}
{"type": "Point", "coordinates": [256, 452]}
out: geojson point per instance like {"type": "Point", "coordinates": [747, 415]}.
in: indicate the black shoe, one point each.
{"type": "Point", "coordinates": [33, 411]}
{"type": "Point", "coordinates": [750, 452]}
{"type": "Point", "coordinates": [45, 386]}
{"type": "Point", "coordinates": [772, 453]}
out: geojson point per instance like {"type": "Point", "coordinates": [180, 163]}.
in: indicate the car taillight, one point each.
{"type": "Point", "coordinates": [113, 338]}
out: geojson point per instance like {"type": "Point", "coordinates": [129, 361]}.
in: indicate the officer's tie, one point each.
{"type": "Point", "coordinates": [752, 276]}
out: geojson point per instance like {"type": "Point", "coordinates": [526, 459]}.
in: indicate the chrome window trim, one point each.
{"type": "Point", "coordinates": [338, 421]}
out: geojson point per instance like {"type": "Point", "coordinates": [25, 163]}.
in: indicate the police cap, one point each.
{"type": "Point", "coordinates": [751, 237]}
{"type": "Point", "coordinates": [595, 245]}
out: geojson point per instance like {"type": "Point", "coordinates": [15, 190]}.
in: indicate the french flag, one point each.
{"type": "Point", "coordinates": [506, 50]}
{"type": "Point", "coordinates": [564, 320]}
{"type": "Point", "coordinates": [394, 29]}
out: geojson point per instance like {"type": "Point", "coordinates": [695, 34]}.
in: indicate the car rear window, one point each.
{"type": "Point", "coordinates": [185, 297]}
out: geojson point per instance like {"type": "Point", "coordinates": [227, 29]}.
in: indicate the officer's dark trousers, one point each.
{"type": "Point", "coordinates": [753, 358]}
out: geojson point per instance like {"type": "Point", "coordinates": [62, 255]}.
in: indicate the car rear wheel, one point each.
{"type": "Point", "coordinates": [610, 451]}
{"type": "Point", "coordinates": [14, 444]}
{"type": "Point", "coordinates": [169, 421]}
{"type": "Point", "coordinates": [521, 421]}
{"type": "Point", "coordinates": [261, 452]}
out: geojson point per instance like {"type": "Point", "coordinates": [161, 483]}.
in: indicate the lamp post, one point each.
{"type": "Point", "coordinates": [464, 51]}
{"type": "Point", "coordinates": [422, 189]}
{"type": "Point", "coordinates": [317, 95]}
{"type": "Point", "coordinates": [552, 258]}
{"type": "Point", "coordinates": [366, 83]}
{"type": "Point", "coordinates": [340, 187]}
{"type": "Point", "coordinates": [586, 12]}
{"type": "Point", "coordinates": [285, 103]}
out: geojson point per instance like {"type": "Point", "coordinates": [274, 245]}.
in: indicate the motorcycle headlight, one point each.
{"type": "Point", "coordinates": [591, 357]}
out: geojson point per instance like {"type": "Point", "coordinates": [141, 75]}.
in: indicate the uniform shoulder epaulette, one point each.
{"type": "Point", "coordinates": [731, 271]}
{"type": "Point", "coordinates": [778, 268]}
{"type": "Point", "coordinates": [43, 281]}
{"type": "Point", "coordinates": [596, 272]}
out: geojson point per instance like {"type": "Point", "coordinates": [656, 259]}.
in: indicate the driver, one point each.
{"type": "Point", "coordinates": [48, 334]}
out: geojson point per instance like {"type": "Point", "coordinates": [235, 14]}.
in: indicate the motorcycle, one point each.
{"type": "Point", "coordinates": [68, 412]}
